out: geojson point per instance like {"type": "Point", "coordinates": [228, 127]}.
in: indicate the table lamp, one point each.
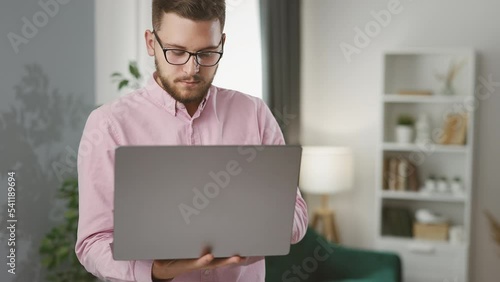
{"type": "Point", "coordinates": [325, 171]}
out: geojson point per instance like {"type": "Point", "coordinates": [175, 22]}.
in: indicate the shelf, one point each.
{"type": "Point", "coordinates": [411, 51]}
{"type": "Point", "coordinates": [416, 196]}
{"type": "Point", "coordinates": [413, 241]}
{"type": "Point", "coordinates": [396, 147]}
{"type": "Point", "coordinates": [434, 99]}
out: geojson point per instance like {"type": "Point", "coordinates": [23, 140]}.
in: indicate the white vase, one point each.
{"type": "Point", "coordinates": [423, 135]}
{"type": "Point", "coordinates": [448, 89]}
{"type": "Point", "coordinates": [457, 188]}
{"type": "Point", "coordinates": [456, 234]}
{"type": "Point", "coordinates": [442, 186]}
{"type": "Point", "coordinates": [404, 134]}
{"type": "Point", "coordinates": [430, 185]}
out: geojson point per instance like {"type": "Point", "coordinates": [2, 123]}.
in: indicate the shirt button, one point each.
{"type": "Point", "coordinates": [206, 272]}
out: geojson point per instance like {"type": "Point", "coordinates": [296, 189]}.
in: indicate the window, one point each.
{"type": "Point", "coordinates": [241, 67]}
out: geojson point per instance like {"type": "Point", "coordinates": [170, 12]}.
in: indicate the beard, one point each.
{"type": "Point", "coordinates": [191, 95]}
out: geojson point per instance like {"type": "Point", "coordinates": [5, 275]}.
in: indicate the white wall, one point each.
{"type": "Point", "coordinates": [116, 43]}
{"type": "Point", "coordinates": [340, 99]}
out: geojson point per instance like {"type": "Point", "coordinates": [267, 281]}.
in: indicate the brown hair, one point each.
{"type": "Point", "coordinates": [197, 10]}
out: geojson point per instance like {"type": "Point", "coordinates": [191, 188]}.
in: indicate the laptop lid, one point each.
{"type": "Point", "coordinates": [174, 202]}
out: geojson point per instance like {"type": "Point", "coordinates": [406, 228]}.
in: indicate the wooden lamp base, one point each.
{"type": "Point", "coordinates": [327, 218]}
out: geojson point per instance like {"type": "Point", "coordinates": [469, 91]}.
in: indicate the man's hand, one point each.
{"type": "Point", "coordinates": [168, 269]}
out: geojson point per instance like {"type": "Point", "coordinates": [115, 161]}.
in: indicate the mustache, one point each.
{"type": "Point", "coordinates": [194, 78]}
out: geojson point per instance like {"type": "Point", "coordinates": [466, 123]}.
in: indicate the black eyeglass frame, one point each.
{"type": "Point", "coordinates": [195, 54]}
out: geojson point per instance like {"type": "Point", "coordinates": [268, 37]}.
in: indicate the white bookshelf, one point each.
{"type": "Point", "coordinates": [396, 98]}
{"type": "Point", "coordinates": [391, 146]}
{"type": "Point", "coordinates": [414, 69]}
{"type": "Point", "coordinates": [416, 196]}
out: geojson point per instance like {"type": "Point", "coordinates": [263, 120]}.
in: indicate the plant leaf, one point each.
{"type": "Point", "coordinates": [122, 84]}
{"type": "Point", "coordinates": [495, 227]}
{"type": "Point", "coordinates": [134, 70]}
{"type": "Point", "coordinates": [70, 214]}
{"type": "Point", "coordinates": [46, 261]}
{"type": "Point", "coordinates": [62, 252]}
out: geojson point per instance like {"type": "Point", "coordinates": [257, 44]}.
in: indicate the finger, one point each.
{"type": "Point", "coordinates": [164, 262]}
{"type": "Point", "coordinates": [184, 265]}
{"type": "Point", "coordinates": [202, 261]}
{"type": "Point", "coordinates": [176, 267]}
{"type": "Point", "coordinates": [219, 262]}
{"type": "Point", "coordinates": [234, 259]}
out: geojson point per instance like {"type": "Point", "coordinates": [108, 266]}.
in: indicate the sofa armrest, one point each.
{"type": "Point", "coordinates": [314, 259]}
{"type": "Point", "coordinates": [350, 263]}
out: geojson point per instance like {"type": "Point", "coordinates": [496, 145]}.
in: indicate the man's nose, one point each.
{"type": "Point", "coordinates": [192, 67]}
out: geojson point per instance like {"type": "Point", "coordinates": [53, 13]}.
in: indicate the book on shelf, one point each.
{"type": "Point", "coordinates": [413, 179]}
{"type": "Point", "coordinates": [385, 174]}
{"type": "Point", "coordinates": [397, 222]}
{"type": "Point", "coordinates": [415, 92]}
{"type": "Point", "coordinates": [400, 174]}
{"type": "Point", "coordinates": [392, 173]}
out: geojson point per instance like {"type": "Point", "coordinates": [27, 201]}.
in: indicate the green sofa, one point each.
{"type": "Point", "coordinates": [314, 259]}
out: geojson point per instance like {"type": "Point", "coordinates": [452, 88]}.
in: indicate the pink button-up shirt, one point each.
{"type": "Point", "coordinates": [150, 116]}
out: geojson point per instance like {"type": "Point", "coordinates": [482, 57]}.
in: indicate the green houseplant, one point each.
{"type": "Point", "coordinates": [404, 129]}
{"type": "Point", "coordinates": [57, 247]}
{"type": "Point", "coordinates": [406, 120]}
{"type": "Point", "coordinates": [133, 80]}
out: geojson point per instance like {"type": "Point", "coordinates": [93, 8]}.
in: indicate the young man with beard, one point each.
{"type": "Point", "coordinates": [178, 106]}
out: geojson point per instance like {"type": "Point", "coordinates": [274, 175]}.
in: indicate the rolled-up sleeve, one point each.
{"type": "Point", "coordinates": [96, 188]}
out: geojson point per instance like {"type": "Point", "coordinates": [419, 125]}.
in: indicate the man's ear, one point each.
{"type": "Point", "coordinates": [150, 42]}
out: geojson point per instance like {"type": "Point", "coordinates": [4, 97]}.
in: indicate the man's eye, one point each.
{"type": "Point", "coordinates": [177, 52]}
{"type": "Point", "coordinates": [204, 55]}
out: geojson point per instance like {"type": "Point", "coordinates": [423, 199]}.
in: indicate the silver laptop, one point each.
{"type": "Point", "coordinates": [175, 202]}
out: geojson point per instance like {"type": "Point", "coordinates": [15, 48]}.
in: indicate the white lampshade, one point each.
{"type": "Point", "coordinates": [326, 170]}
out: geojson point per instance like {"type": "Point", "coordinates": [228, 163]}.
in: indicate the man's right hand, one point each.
{"type": "Point", "coordinates": [168, 269]}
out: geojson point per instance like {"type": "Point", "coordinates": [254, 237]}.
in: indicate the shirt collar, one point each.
{"type": "Point", "coordinates": [170, 104]}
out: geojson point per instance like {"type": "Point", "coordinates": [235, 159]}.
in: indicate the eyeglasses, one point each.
{"type": "Point", "coordinates": [178, 57]}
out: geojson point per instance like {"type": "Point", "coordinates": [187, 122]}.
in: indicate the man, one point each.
{"type": "Point", "coordinates": [179, 106]}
